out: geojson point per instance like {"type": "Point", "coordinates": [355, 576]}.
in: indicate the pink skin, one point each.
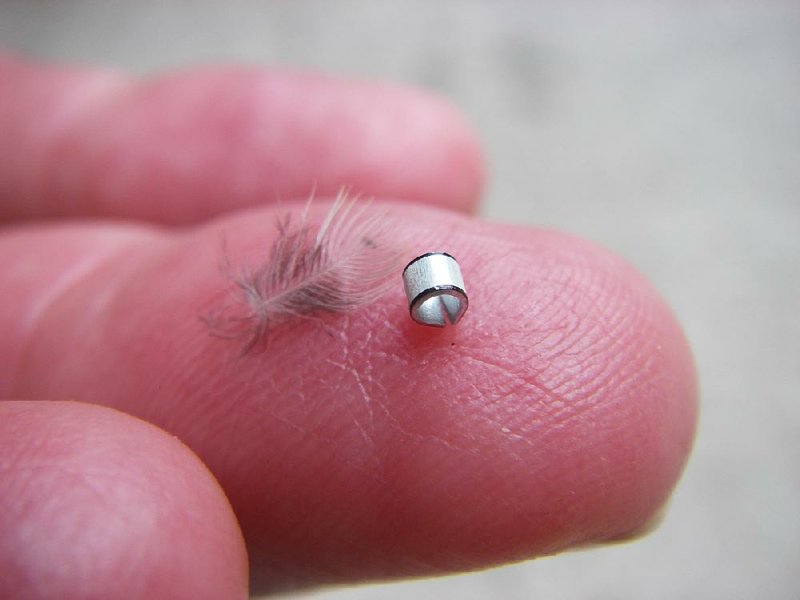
{"type": "Point", "coordinates": [188, 146]}
{"type": "Point", "coordinates": [560, 410]}
{"type": "Point", "coordinates": [96, 504]}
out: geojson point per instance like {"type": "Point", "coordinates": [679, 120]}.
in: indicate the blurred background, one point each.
{"type": "Point", "coordinates": [669, 132]}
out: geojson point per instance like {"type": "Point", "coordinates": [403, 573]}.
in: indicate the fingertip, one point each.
{"type": "Point", "coordinates": [559, 411]}
{"type": "Point", "coordinates": [97, 504]}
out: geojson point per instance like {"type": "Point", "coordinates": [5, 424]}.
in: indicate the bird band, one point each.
{"type": "Point", "coordinates": [435, 290]}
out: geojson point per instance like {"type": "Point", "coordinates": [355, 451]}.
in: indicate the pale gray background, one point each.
{"type": "Point", "coordinates": [669, 132]}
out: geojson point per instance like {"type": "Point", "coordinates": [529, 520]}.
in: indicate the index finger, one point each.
{"type": "Point", "coordinates": [559, 410]}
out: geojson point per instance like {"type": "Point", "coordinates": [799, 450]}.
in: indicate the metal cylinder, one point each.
{"type": "Point", "coordinates": [435, 290]}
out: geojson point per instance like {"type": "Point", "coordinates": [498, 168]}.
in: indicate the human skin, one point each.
{"type": "Point", "coordinates": [560, 411]}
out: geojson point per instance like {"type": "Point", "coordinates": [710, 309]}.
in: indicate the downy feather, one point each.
{"type": "Point", "coordinates": [337, 266]}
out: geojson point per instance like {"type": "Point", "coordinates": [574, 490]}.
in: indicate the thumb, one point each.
{"type": "Point", "coordinates": [97, 504]}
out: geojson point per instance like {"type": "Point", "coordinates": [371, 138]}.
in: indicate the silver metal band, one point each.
{"type": "Point", "coordinates": [435, 289]}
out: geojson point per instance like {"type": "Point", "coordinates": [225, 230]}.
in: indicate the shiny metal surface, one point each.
{"type": "Point", "coordinates": [435, 290]}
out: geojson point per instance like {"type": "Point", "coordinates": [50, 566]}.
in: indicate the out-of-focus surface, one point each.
{"type": "Point", "coordinates": [668, 132]}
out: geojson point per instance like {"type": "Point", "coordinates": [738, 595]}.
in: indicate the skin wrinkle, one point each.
{"type": "Point", "coordinates": [352, 441]}
{"type": "Point", "coordinates": [551, 392]}
{"type": "Point", "coordinates": [92, 267]}
{"type": "Point", "coordinates": [348, 367]}
{"type": "Point", "coordinates": [60, 286]}
{"type": "Point", "coordinates": [627, 373]}
{"type": "Point", "coordinates": [590, 377]}
{"type": "Point", "coordinates": [353, 368]}
{"type": "Point", "coordinates": [488, 410]}
{"type": "Point", "coordinates": [367, 432]}
{"type": "Point", "coordinates": [501, 398]}
{"type": "Point", "coordinates": [611, 343]}
{"type": "Point", "coordinates": [371, 400]}
{"type": "Point", "coordinates": [395, 424]}
{"type": "Point", "coordinates": [87, 476]}
{"type": "Point", "coordinates": [81, 530]}
{"type": "Point", "coordinates": [313, 432]}
{"type": "Point", "coordinates": [100, 481]}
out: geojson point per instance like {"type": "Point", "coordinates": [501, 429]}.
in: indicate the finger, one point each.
{"type": "Point", "coordinates": [182, 147]}
{"type": "Point", "coordinates": [559, 411]}
{"type": "Point", "coordinates": [97, 504]}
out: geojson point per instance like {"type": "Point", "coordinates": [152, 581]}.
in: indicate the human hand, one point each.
{"type": "Point", "coordinates": [560, 411]}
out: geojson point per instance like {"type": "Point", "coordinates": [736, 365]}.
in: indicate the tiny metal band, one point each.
{"type": "Point", "coordinates": [435, 289]}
